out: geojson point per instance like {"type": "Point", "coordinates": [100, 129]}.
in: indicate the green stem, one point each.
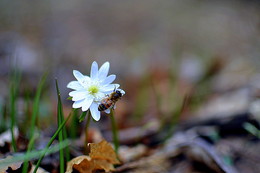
{"type": "Point", "coordinates": [114, 131]}
{"type": "Point", "coordinates": [86, 131]}
{"type": "Point", "coordinates": [73, 125]}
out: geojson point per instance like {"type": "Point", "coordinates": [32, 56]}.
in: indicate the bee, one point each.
{"type": "Point", "coordinates": [110, 101]}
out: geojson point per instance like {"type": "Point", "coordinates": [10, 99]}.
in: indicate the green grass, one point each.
{"type": "Point", "coordinates": [51, 141]}
{"type": "Point", "coordinates": [32, 154]}
{"type": "Point", "coordinates": [83, 115]}
{"type": "Point", "coordinates": [35, 113]}
{"type": "Point", "coordinates": [250, 128]}
{"type": "Point", "coordinates": [62, 133]}
{"type": "Point", "coordinates": [15, 80]}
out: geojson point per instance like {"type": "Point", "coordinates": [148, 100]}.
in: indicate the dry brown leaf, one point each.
{"type": "Point", "coordinates": [84, 164]}
{"type": "Point", "coordinates": [101, 157]}
{"type": "Point", "coordinates": [103, 151]}
{"type": "Point", "coordinates": [103, 164]}
{"type": "Point", "coordinates": [17, 167]}
{"type": "Point", "coordinates": [76, 161]}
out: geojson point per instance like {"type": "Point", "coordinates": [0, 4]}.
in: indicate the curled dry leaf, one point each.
{"type": "Point", "coordinates": [17, 167]}
{"type": "Point", "coordinates": [103, 151]}
{"type": "Point", "coordinates": [78, 161]}
{"type": "Point", "coordinates": [84, 164]}
{"type": "Point", "coordinates": [101, 157]}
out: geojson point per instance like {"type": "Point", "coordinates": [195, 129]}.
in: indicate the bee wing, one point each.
{"type": "Point", "coordinates": [107, 111]}
{"type": "Point", "coordinates": [122, 91]}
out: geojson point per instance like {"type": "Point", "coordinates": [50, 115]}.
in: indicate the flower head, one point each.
{"type": "Point", "coordinates": [90, 90]}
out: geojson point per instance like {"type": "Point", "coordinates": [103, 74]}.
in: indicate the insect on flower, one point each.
{"type": "Point", "coordinates": [91, 90]}
{"type": "Point", "coordinates": [110, 101]}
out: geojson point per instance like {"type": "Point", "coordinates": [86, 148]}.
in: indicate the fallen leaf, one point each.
{"type": "Point", "coordinates": [17, 167]}
{"type": "Point", "coordinates": [76, 161]}
{"type": "Point", "coordinates": [84, 164]}
{"type": "Point", "coordinates": [103, 164]}
{"type": "Point", "coordinates": [101, 157]}
{"type": "Point", "coordinates": [103, 151]}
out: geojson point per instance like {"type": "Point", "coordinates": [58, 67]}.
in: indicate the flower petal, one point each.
{"type": "Point", "coordinates": [109, 88]}
{"type": "Point", "coordinates": [78, 104]}
{"type": "Point", "coordinates": [116, 85]}
{"type": "Point", "coordinates": [108, 80]}
{"type": "Point", "coordinates": [99, 96]}
{"type": "Point", "coordinates": [75, 85]}
{"type": "Point", "coordinates": [79, 76]}
{"type": "Point", "coordinates": [78, 93]}
{"type": "Point", "coordinates": [94, 70]}
{"type": "Point", "coordinates": [103, 71]}
{"type": "Point", "coordinates": [86, 104]}
{"type": "Point", "coordinates": [94, 111]}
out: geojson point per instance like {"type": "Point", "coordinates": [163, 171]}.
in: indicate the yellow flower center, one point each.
{"type": "Point", "coordinates": [93, 90]}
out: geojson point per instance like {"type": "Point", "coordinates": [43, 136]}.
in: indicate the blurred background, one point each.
{"type": "Point", "coordinates": [134, 37]}
{"type": "Point", "coordinates": [151, 45]}
{"type": "Point", "coordinates": [158, 50]}
{"type": "Point", "coordinates": [178, 60]}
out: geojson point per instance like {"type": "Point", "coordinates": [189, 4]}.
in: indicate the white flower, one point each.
{"type": "Point", "coordinates": [89, 91]}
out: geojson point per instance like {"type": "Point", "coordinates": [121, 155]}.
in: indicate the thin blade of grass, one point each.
{"type": "Point", "coordinates": [36, 103]}
{"type": "Point", "coordinates": [15, 80]}
{"type": "Point", "coordinates": [34, 117]}
{"type": "Point", "coordinates": [86, 132]}
{"type": "Point", "coordinates": [60, 117]}
{"type": "Point", "coordinates": [51, 141]}
{"type": "Point", "coordinates": [33, 154]}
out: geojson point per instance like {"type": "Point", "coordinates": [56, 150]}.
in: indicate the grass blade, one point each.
{"type": "Point", "coordinates": [86, 131]}
{"type": "Point", "coordinates": [36, 103]}
{"type": "Point", "coordinates": [60, 118]}
{"type": "Point", "coordinates": [33, 154]}
{"type": "Point", "coordinates": [51, 141]}
{"type": "Point", "coordinates": [34, 117]}
{"type": "Point", "coordinates": [15, 80]}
